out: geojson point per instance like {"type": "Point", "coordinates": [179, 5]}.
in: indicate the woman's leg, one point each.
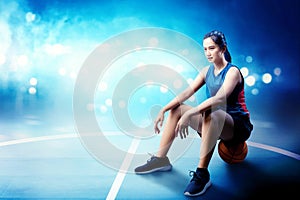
{"type": "Point", "coordinates": [168, 134]}
{"type": "Point", "coordinates": [212, 126]}
{"type": "Point", "coordinates": [215, 125]}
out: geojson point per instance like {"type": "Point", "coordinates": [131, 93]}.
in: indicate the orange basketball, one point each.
{"type": "Point", "coordinates": [233, 153]}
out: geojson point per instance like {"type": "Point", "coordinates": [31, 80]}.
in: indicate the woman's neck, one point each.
{"type": "Point", "coordinates": [220, 65]}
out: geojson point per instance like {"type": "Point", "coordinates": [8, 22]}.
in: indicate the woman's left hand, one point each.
{"type": "Point", "coordinates": [182, 126]}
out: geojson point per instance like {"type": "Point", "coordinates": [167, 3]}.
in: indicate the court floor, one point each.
{"type": "Point", "coordinates": [46, 159]}
{"type": "Point", "coordinates": [50, 162]}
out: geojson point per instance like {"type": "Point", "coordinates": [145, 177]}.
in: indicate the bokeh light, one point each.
{"type": "Point", "coordinates": [255, 91]}
{"type": "Point", "coordinates": [32, 90]}
{"type": "Point", "coordinates": [250, 80]}
{"type": "Point", "coordinates": [267, 78]}
{"type": "Point", "coordinates": [164, 89]}
{"type": "Point", "coordinates": [33, 81]}
{"type": "Point", "coordinates": [249, 59]}
{"type": "Point", "coordinates": [245, 71]}
{"type": "Point", "coordinates": [277, 71]}
{"type": "Point", "coordinates": [44, 45]}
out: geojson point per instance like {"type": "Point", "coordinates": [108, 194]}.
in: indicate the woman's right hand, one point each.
{"type": "Point", "coordinates": [159, 121]}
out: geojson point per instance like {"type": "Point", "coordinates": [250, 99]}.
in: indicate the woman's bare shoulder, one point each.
{"type": "Point", "coordinates": [204, 70]}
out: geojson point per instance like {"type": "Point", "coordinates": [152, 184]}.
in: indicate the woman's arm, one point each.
{"type": "Point", "coordinates": [188, 92]}
{"type": "Point", "coordinates": [232, 78]}
{"type": "Point", "coordinates": [183, 96]}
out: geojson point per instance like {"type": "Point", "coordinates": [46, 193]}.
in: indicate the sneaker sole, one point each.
{"type": "Point", "coordinates": [161, 169]}
{"type": "Point", "coordinates": [208, 184]}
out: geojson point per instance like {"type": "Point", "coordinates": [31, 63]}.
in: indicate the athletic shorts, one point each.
{"type": "Point", "coordinates": [242, 128]}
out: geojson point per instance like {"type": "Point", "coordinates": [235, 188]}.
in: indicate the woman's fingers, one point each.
{"type": "Point", "coordinates": [187, 131]}
{"type": "Point", "coordinates": [176, 130]}
{"type": "Point", "coordinates": [156, 129]}
{"type": "Point", "coordinates": [182, 130]}
{"type": "Point", "coordinates": [156, 122]}
{"type": "Point", "coordinates": [159, 121]}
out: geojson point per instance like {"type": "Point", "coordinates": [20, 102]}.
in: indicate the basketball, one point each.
{"type": "Point", "coordinates": [232, 153]}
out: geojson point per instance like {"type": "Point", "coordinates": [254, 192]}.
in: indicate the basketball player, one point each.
{"type": "Point", "coordinates": [223, 115]}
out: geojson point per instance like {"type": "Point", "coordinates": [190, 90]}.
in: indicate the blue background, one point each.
{"type": "Point", "coordinates": [52, 46]}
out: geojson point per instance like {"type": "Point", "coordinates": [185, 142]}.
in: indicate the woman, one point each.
{"type": "Point", "coordinates": [223, 115]}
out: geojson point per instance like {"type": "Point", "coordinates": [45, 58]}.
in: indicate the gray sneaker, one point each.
{"type": "Point", "coordinates": [154, 164]}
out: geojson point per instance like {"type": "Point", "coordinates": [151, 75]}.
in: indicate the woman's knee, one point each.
{"type": "Point", "coordinates": [216, 114]}
{"type": "Point", "coordinates": [216, 117]}
{"type": "Point", "coordinates": [224, 122]}
{"type": "Point", "coordinates": [177, 112]}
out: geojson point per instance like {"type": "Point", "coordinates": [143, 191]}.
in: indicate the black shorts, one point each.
{"type": "Point", "coordinates": [242, 128]}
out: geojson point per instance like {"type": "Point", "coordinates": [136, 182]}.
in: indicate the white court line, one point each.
{"type": "Point", "coordinates": [48, 137]}
{"type": "Point", "coordinates": [274, 149]}
{"type": "Point", "coordinates": [37, 139]}
{"type": "Point", "coordinates": [122, 171]}
{"type": "Point", "coordinates": [65, 136]}
{"type": "Point", "coordinates": [128, 158]}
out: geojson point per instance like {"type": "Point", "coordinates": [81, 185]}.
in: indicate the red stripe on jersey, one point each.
{"type": "Point", "coordinates": [241, 100]}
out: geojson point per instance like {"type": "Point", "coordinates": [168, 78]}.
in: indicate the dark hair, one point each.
{"type": "Point", "coordinates": [219, 38]}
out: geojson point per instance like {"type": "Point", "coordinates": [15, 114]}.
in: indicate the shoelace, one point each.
{"type": "Point", "coordinates": [151, 157]}
{"type": "Point", "coordinates": [195, 176]}
{"type": "Point", "coordinates": [150, 154]}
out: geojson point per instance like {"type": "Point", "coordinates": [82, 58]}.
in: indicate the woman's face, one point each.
{"type": "Point", "coordinates": [212, 51]}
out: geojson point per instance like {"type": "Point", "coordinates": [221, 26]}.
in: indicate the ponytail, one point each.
{"type": "Point", "coordinates": [227, 56]}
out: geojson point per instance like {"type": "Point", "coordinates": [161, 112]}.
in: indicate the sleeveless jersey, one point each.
{"type": "Point", "coordinates": [235, 103]}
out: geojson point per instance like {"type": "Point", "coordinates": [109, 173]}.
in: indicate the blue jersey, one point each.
{"type": "Point", "coordinates": [235, 103]}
